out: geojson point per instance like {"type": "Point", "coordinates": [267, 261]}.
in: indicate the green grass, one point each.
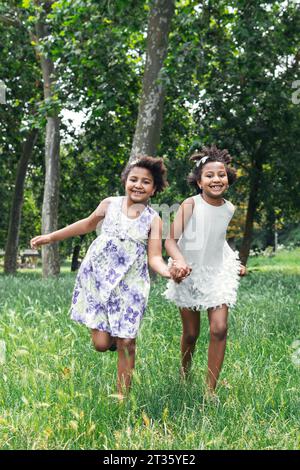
{"type": "Point", "coordinates": [286, 261]}
{"type": "Point", "coordinates": [55, 389]}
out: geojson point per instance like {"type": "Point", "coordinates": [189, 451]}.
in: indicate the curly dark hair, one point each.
{"type": "Point", "coordinates": [214, 155]}
{"type": "Point", "coordinates": [156, 167]}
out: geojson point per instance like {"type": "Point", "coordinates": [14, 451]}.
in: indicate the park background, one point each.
{"type": "Point", "coordinates": [85, 85]}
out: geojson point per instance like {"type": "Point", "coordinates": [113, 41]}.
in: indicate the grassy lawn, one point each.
{"type": "Point", "coordinates": [55, 390]}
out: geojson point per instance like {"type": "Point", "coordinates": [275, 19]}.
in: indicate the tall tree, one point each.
{"type": "Point", "coordinates": [11, 249]}
{"type": "Point", "coordinates": [149, 122]}
{"type": "Point", "coordinates": [20, 133]}
{"type": "Point", "coordinates": [241, 93]}
{"type": "Point", "coordinates": [50, 253]}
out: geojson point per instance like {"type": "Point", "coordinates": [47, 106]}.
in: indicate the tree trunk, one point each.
{"type": "Point", "coordinates": [75, 263]}
{"type": "Point", "coordinates": [270, 229]}
{"type": "Point", "coordinates": [149, 122]}
{"type": "Point", "coordinates": [11, 250]}
{"type": "Point", "coordinates": [251, 210]}
{"type": "Point", "coordinates": [50, 253]}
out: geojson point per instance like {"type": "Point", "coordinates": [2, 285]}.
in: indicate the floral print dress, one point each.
{"type": "Point", "coordinates": [113, 283]}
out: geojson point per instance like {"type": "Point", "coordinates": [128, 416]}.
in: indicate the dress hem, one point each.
{"type": "Point", "coordinates": [199, 306]}
{"type": "Point", "coordinates": [207, 293]}
{"type": "Point", "coordinates": [93, 327]}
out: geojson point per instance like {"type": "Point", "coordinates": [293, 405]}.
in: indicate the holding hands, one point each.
{"type": "Point", "coordinates": [179, 271]}
{"type": "Point", "coordinates": [243, 270]}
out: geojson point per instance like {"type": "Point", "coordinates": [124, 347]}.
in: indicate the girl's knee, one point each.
{"type": "Point", "coordinates": [190, 338]}
{"type": "Point", "coordinates": [100, 346]}
{"type": "Point", "coordinates": [101, 340]}
{"type": "Point", "coordinates": [219, 331]}
{"type": "Point", "coordinates": [126, 345]}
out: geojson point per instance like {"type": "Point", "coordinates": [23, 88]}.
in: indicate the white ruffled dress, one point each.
{"type": "Point", "coordinates": [215, 266]}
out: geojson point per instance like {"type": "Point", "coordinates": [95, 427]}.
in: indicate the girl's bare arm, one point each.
{"type": "Point", "coordinates": [177, 227]}
{"type": "Point", "coordinates": [155, 258]}
{"type": "Point", "coordinates": [78, 228]}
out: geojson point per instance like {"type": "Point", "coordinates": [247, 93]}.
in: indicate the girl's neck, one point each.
{"type": "Point", "coordinates": [219, 201]}
{"type": "Point", "coordinates": [133, 209]}
{"type": "Point", "coordinates": [129, 202]}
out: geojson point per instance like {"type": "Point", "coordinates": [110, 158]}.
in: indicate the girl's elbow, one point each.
{"type": "Point", "coordinates": [169, 243]}
{"type": "Point", "coordinates": [89, 226]}
{"type": "Point", "coordinates": [153, 261]}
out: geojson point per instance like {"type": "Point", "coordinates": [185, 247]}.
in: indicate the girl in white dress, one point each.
{"type": "Point", "coordinates": [205, 270]}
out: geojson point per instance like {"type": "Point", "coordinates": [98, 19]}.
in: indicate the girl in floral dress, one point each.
{"type": "Point", "coordinates": [112, 285]}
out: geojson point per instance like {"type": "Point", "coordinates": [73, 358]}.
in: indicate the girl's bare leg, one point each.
{"type": "Point", "coordinates": [126, 361]}
{"type": "Point", "coordinates": [190, 332]}
{"type": "Point", "coordinates": [102, 340]}
{"type": "Point", "coordinates": [216, 350]}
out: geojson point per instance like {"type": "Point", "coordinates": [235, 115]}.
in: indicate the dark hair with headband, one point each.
{"type": "Point", "coordinates": [156, 167]}
{"type": "Point", "coordinates": [201, 156]}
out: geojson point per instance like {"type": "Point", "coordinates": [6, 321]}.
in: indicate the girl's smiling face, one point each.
{"type": "Point", "coordinates": [214, 180]}
{"type": "Point", "coordinates": [139, 185]}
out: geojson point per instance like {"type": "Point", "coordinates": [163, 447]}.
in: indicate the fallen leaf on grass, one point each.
{"type": "Point", "coordinates": [77, 415]}
{"type": "Point", "coordinates": [48, 432]}
{"type": "Point", "coordinates": [91, 428]}
{"type": "Point", "coordinates": [42, 405]}
{"type": "Point", "coordinates": [146, 420]}
{"type": "Point", "coordinates": [225, 384]}
{"type": "Point", "coordinates": [21, 352]}
{"type": "Point", "coordinates": [66, 372]}
{"type": "Point", "coordinates": [24, 400]}
{"type": "Point", "coordinates": [40, 372]}
{"type": "Point", "coordinates": [73, 425]}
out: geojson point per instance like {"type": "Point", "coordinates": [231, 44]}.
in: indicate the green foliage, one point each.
{"type": "Point", "coordinates": [21, 75]}
{"type": "Point", "coordinates": [228, 78]}
{"type": "Point", "coordinates": [290, 235]}
{"type": "Point", "coordinates": [95, 64]}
